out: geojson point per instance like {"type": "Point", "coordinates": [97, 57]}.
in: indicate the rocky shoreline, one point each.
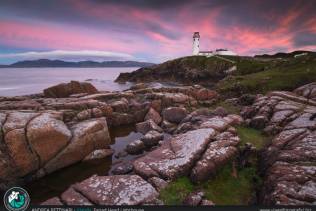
{"type": "Point", "coordinates": [70, 123]}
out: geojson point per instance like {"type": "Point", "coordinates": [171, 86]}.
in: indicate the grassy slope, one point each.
{"type": "Point", "coordinates": [268, 75]}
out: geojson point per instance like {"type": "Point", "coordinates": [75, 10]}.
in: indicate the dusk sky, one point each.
{"type": "Point", "coordinates": [151, 30]}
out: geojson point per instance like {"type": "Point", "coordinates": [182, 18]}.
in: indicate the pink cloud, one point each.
{"type": "Point", "coordinates": [135, 30]}
{"type": "Point", "coordinates": [49, 36]}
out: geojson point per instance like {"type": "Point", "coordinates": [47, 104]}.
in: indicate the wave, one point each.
{"type": "Point", "coordinates": [9, 88]}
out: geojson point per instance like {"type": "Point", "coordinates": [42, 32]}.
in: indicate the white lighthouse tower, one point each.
{"type": "Point", "coordinates": [196, 43]}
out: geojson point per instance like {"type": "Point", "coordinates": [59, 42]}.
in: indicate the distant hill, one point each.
{"type": "Point", "coordinates": [60, 63]}
{"type": "Point", "coordinates": [283, 55]}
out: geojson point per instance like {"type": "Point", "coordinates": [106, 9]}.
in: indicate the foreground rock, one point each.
{"type": "Point", "coordinates": [289, 161]}
{"type": "Point", "coordinates": [198, 152]}
{"type": "Point", "coordinates": [40, 143]}
{"type": "Point", "coordinates": [42, 133]}
{"type": "Point", "coordinates": [110, 190]}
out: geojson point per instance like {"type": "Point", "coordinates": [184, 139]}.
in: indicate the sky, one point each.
{"type": "Point", "coordinates": [151, 30]}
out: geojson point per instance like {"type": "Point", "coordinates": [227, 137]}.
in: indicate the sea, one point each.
{"type": "Point", "coordinates": [25, 81]}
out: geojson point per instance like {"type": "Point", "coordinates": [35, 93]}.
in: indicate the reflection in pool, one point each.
{"type": "Point", "coordinates": [57, 182]}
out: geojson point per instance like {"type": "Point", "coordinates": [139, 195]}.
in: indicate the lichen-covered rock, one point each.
{"type": "Point", "coordinates": [289, 161]}
{"type": "Point", "coordinates": [148, 125]}
{"type": "Point", "coordinates": [117, 119]}
{"type": "Point", "coordinates": [135, 147]}
{"type": "Point", "coordinates": [307, 91]}
{"type": "Point", "coordinates": [117, 190]}
{"type": "Point", "coordinates": [120, 106]}
{"type": "Point", "coordinates": [194, 199]}
{"type": "Point", "coordinates": [88, 136]}
{"type": "Point", "coordinates": [172, 98]}
{"type": "Point", "coordinates": [152, 138]}
{"type": "Point", "coordinates": [205, 94]}
{"type": "Point", "coordinates": [218, 153]}
{"type": "Point", "coordinates": [217, 123]}
{"type": "Point", "coordinates": [174, 114]}
{"type": "Point", "coordinates": [176, 156]}
{"type": "Point", "coordinates": [72, 197]}
{"type": "Point", "coordinates": [99, 154]}
{"type": "Point", "coordinates": [122, 168]}
{"type": "Point", "coordinates": [16, 142]}
{"type": "Point", "coordinates": [158, 183]}
{"type": "Point", "coordinates": [153, 115]}
{"type": "Point", "coordinates": [47, 136]}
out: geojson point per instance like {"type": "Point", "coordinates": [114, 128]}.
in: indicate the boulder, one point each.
{"type": "Point", "coordinates": [153, 115]}
{"type": "Point", "coordinates": [135, 147]}
{"type": "Point", "coordinates": [67, 89]}
{"type": "Point", "coordinates": [205, 94]}
{"type": "Point", "coordinates": [117, 119]}
{"type": "Point", "coordinates": [152, 138]}
{"type": "Point", "coordinates": [171, 98]}
{"type": "Point", "coordinates": [220, 111]}
{"type": "Point", "coordinates": [72, 197]}
{"type": "Point", "coordinates": [88, 136]}
{"type": "Point", "coordinates": [121, 154]}
{"type": "Point", "coordinates": [174, 114]}
{"type": "Point", "coordinates": [122, 168]}
{"type": "Point", "coordinates": [176, 156]}
{"type": "Point", "coordinates": [194, 199]}
{"type": "Point", "coordinates": [168, 126]}
{"type": "Point", "coordinates": [120, 106]}
{"type": "Point", "coordinates": [99, 154]}
{"type": "Point", "coordinates": [139, 86]}
{"type": "Point", "coordinates": [217, 123]}
{"type": "Point", "coordinates": [117, 190]}
{"type": "Point", "coordinates": [217, 154]}
{"type": "Point", "coordinates": [158, 183]}
{"type": "Point", "coordinates": [259, 122]}
{"type": "Point", "coordinates": [156, 104]}
{"type": "Point", "coordinates": [148, 125]}
{"type": "Point", "coordinates": [16, 143]}
{"type": "Point", "coordinates": [47, 136]}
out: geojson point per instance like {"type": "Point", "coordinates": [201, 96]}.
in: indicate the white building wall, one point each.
{"type": "Point", "coordinates": [226, 52]}
{"type": "Point", "coordinates": [196, 46]}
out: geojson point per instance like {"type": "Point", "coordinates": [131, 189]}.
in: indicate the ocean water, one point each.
{"type": "Point", "coordinates": [23, 81]}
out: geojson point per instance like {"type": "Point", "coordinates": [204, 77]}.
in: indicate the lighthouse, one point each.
{"type": "Point", "coordinates": [196, 43]}
{"type": "Point", "coordinates": [196, 48]}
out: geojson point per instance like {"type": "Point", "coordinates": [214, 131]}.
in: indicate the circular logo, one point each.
{"type": "Point", "coordinates": [16, 199]}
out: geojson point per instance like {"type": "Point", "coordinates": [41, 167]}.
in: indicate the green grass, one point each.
{"type": "Point", "coordinates": [253, 136]}
{"type": "Point", "coordinates": [223, 189]}
{"type": "Point", "coordinates": [278, 75]}
{"type": "Point", "coordinates": [176, 191]}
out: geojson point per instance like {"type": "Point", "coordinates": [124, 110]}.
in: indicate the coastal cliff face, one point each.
{"type": "Point", "coordinates": [187, 70]}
